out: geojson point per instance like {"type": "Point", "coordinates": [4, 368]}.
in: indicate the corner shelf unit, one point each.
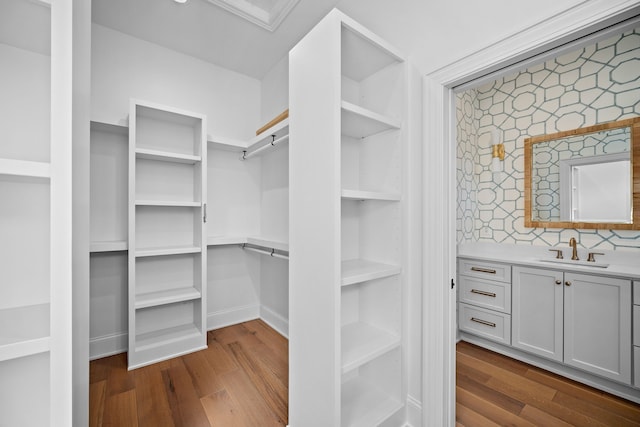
{"type": "Point", "coordinates": [167, 233]}
{"type": "Point", "coordinates": [347, 92]}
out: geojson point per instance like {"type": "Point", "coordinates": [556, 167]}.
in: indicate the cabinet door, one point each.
{"type": "Point", "coordinates": [537, 311]}
{"type": "Point", "coordinates": [597, 321]}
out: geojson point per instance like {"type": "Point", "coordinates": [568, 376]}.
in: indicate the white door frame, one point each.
{"type": "Point", "coordinates": [439, 230]}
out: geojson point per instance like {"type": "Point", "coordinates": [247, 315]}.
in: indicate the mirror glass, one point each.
{"type": "Point", "coordinates": [583, 176]}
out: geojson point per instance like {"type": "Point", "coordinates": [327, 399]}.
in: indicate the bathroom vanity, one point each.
{"type": "Point", "coordinates": [577, 318]}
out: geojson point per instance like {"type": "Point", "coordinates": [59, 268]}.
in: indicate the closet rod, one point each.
{"type": "Point", "coordinates": [273, 143]}
{"type": "Point", "coordinates": [272, 253]}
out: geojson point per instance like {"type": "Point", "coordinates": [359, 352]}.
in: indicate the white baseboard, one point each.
{"type": "Point", "coordinates": [276, 321]}
{"type": "Point", "coordinates": [232, 316]}
{"type": "Point", "coordinates": [108, 345]}
{"type": "Point", "coordinates": [414, 412]}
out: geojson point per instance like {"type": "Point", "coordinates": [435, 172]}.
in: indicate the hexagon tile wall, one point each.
{"type": "Point", "coordinates": [596, 84]}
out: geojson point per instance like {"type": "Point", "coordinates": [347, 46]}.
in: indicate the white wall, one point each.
{"type": "Point", "coordinates": [274, 96]}
{"type": "Point", "coordinates": [124, 67]}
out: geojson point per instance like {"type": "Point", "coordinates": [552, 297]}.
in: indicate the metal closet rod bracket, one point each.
{"type": "Point", "coordinates": [248, 154]}
{"type": "Point", "coordinates": [267, 251]}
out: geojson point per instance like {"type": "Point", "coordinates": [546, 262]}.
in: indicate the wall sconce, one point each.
{"type": "Point", "coordinates": [497, 154]}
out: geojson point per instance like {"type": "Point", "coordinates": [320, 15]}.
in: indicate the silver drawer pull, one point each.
{"type": "Point", "coordinates": [487, 294]}
{"type": "Point", "coordinates": [483, 270]}
{"type": "Point", "coordinates": [483, 322]}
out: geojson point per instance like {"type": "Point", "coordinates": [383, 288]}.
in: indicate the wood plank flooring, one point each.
{"type": "Point", "coordinates": [494, 390]}
{"type": "Point", "coordinates": [241, 380]}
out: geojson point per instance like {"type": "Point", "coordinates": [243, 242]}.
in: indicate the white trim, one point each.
{"type": "Point", "coordinates": [275, 320]}
{"type": "Point", "coordinates": [107, 345]}
{"type": "Point", "coordinates": [232, 316]}
{"type": "Point", "coordinates": [414, 411]}
{"type": "Point", "coordinates": [439, 181]}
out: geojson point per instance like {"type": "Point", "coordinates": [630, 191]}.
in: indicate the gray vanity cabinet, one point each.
{"type": "Point", "coordinates": [537, 315]}
{"type": "Point", "coordinates": [581, 320]}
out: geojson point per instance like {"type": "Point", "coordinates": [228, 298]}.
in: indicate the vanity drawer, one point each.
{"type": "Point", "coordinates": [485, 293]}
{"type": "Point", "coordinates": [489, 324]}
{"type": "Point", "coordinates": [485, 270]}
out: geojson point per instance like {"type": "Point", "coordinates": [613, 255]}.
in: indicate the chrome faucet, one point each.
{"type": "Point", "coordinates": [573, 244]}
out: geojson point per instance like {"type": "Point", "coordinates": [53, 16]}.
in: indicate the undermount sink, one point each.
{"type": "Point", "coordinates": [575, 263]}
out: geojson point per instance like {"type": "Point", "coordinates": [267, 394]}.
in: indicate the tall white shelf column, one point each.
{"type": "Point", "coordinates": [347, 180]}
{"type": "Point", "coordinates": [36, 367]}
{"type": "Point", "coordinates": [167, 233]}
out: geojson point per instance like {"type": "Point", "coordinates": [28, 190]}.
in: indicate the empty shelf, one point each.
{"type": "Point", "coordinates": [169, 250]}
{"type": "Point", "coordinates": [166, 336]}
{"type": "Point", "coordinates": [24, 331]}
{"type": "Point", "coordinates": [360, 270]}
{"type": "Point", "coordinates": [362, 342]}
{"type": "Point", "coordinates": [167, 203]}
{"type": "Point", "coordinates": [153, 299]}
{"type": "Point", "coordinates": [108, 246]}
{"type": "Point", "coordinates": [25, 168]}
{"type": "Point", "coordinates": [369, 195]}
{"type": "Point", "coordinates": [363, 405]}
{"type": "Point", "coordinates": [358, 122]}
{"type": "Point", "coordinates": [225, 240]}
{"type": "Point", "coordinates": [166, 156]}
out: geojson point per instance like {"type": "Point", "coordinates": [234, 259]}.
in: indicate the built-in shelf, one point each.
{"type": "Point", "coordinates": [362, 342]}
{"type": "Point", "coordinates": [364, 405]}
{"type": "Point", "coordinates": [369, 195]}
{"type": "Point", "coordinates": [170, 296]}
{"type": "Point", "coordinates": [108, 246]}
{"type": "Point", "coordinates": [24, 331]}
{"type": "Point", "coordinates": [25, 168]}
{"type": "Point", "coordinates": [267, 243]}
{"type": "Point", "coordinates": [166, 156]}
{"type": "Point", "coordinates": [360, 270]}
{"type": "Point", "coordinates": [359, 122]}
{"type": "Point", "coordinates": [225, 240]}
{"type": "Point", "coordinates": [255, 241]}
{"type": "Point", "coordinates": [169, 203]}
{"type": "Point", "coordinates": [170, 250]}
{"type": "Point", "coordinates": [167, 336]}
{"type": "Point", "coordinates": [103, 126]}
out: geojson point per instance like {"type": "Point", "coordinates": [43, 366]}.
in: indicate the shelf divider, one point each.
{"type": "Point", "coordinates": [24, 331]}
{"type": "Point", "coordinates": [170, 296]}
{"type": "Point", "coordinates": [360, 270]}
{"type": "Point", "coordinates": [370, 195]}
{"type": "Point", "coordinates": [362, 342]}
{"type": "Point", "coordinates": [166, 156]}
{"type": "Point", "coordinates": [359, 122]}
{"type": "Point", "coordinates": [25, 168]}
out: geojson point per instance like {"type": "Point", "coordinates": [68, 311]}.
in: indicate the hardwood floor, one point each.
{"type": "Point", "coordinates": [494, 390]}
{"type": "Point", "coordinates": [241, 380]}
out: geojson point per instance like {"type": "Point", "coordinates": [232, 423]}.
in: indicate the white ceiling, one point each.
{"type": "Point", "coordinates": [203, 30]}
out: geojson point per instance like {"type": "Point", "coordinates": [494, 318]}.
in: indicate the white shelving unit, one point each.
{"type": "Point", "coordinates": [348, 100]}
{"type": "Point", "coordinates": [167, 233]}
{"type": "Point", "coordinates": [36, 369]}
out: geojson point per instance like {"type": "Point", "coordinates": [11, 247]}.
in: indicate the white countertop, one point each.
{"type": "Point", "coordinates": [624, 264]}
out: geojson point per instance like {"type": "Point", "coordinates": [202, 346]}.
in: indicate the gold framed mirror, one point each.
{"type": "Point", "coordinates": [586, 178]}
